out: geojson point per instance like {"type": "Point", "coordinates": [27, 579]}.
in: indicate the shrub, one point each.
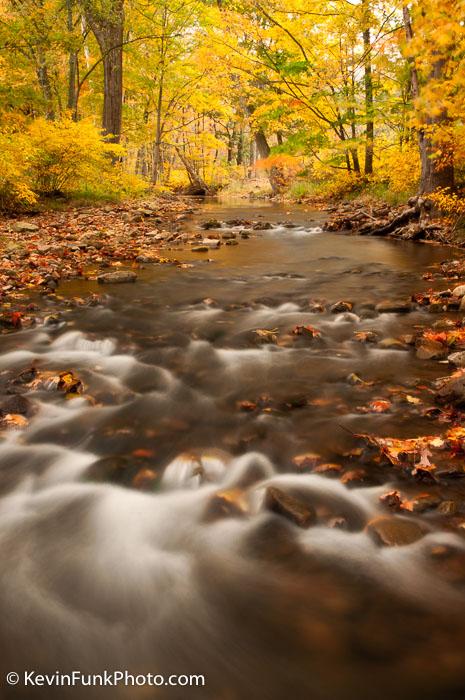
{"type": "Point", "coordinates": [451, 204]}
{"type": "Point", "coordinates": [399, 169]}
{"type": "Point", "coordinates": [15, 185]}
{"type": "Point", "coordinates": [49, 157]}
{"type": "Point", "coordinates": [66, 154]}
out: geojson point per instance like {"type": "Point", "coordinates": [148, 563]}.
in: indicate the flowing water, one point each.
{"type": "Point", "coordinates": [98, 573]}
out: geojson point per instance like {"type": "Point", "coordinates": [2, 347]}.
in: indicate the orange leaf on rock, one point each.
{"type": "Point", "coordinates": [380, 406]}
{"type": "Point", "coordinates": [141, 452]}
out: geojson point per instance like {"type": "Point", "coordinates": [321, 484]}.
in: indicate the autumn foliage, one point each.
{"type": "Point", "coordinates": [45, 157]}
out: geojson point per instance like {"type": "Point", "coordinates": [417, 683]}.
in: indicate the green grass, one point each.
{"type": "Point", "coordinates": [383, 192]}
{"type": "Point", "coordinates": [374, 190]}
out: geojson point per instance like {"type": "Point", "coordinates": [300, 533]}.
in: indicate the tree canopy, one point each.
{"type": "Point", "coordinates": [337, 91]}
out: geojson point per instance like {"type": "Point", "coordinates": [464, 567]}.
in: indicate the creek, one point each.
{"type": "Point", "coordinates": [133, 532]}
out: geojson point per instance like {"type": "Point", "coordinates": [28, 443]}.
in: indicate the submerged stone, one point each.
{"type": "Point", "coordinates": [393, 307]}
{"type": "Point", "coordinates": [390, 531]}
{"type": "Point", "coordinates": [283, 504]}
{"type": "Point", "coordinates": [117, 277]}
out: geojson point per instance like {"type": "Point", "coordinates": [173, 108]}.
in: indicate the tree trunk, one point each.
{"type": "Point", "coordinates": [44, 82]}
{"type": "Point", "coordinates": [261, 142]}
{"type": "Point", "coordinates": [107, 26]}
{"type": "Point", "coordinates": [240, 147]}
{"type": "Point", "coordinates": [194, 177]}
{"type": "Point", "coordinates": [158, 135]}
{"type": "Point", "coordinates": [72, 64]}
{"type": "Point", "coordinates": [369, 112]}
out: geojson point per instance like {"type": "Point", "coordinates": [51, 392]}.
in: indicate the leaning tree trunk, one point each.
{"type": "Point", "coordinates": [107, 24]}
{"type": "Point", "coordinates": [198, 186]}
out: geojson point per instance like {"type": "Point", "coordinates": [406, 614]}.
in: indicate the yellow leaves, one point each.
{"type": "Point", "coordinates": [401, 167]}
{"type": "Point", "coordinates": [66, 382]}
{"type": "Point", "coordinates": [449, 203]}
{"type": "Point", "coordinates": [45, 156]}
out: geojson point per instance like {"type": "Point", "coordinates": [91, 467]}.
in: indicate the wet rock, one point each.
{"type": "Point", "coordinates": [228, 235]}
{"type": "Point", "coordinates": [447, 508]}
{"type": "Point", "coordinates": [309, 460]}
{"type": "Point", "coordinates": [392, 500]}
{"type": "Point", "coordinates": [408, 339]}
{"type": "Point", "coordinates": [25, 227]}
{"type": "Point", "coordinates": [391, 344]}
{"type": "Point", "coordinates": [354, 477]}
{"type": "Point", "coordinates": [273, 540]}
{"type": "Point", "coordinates": [316, 308]}
{"type": "Point", "coordinates": [421, 503]}
{"type": "Point", "coordinates": [328, 469]}
{"type": "Point", "coordinates": [457, 359]}
{"type": "Point", "coordinates": [211, 223]}
{"type": "Point", "coordinates": [11, 320]}
{"type": "Point", "coordinates": [393, 307]}
{"type": "Point", "coordinates": [232, 242]}
{"type": "Point", "coordinates": [451, 389]}
{"type": "Point", "coordinates": [145, 479]}
{"type": "Point", "coordinates": [16, 404]}
{"type": "Point", "coordinates": [200, 249]}
{"type": "Point", "coordinates": [117, 277]}
{"type": "Point", "coordinates": [366, 336]}
{"type": "Point", "coordinates": [391, 531]}
{"type": "Point", "coordinates": [262, 226]}
{"type": "Point", "coordinates": [117, 469]}
{"type": "Point", "coordinates": [292, 402]}
{"type": "Point", "coordinates": [263, 336]}
{"type": "Point", "coordinates": [245, 235]}
{"type": "Point", "coordinates": [211, 242]}
{"type": "Point", "coordinates": [459, 291]}
{"type": "Point", "coordinates": [147, 259]}
{"type": "Point", "coordinates": [283, 504]}
{"type": "Point", "coordinates": [430, 350]}
{"type": "Point", "coordinates": [354, 379]}
{"type": "Point", "coordinates": [341, 307]}
{"type": "Point", "coordinates": [226, 504]}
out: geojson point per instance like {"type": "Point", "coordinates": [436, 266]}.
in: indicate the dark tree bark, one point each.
{"type": "Point", "coordinates": [195, 179]}
{"type": "Point", "coordinates": [240, 147]}
{"type": "Point", "coordinates": [369, 111]}
{"type": "Point", "coordinates": [263, 148]}
{"type": "Point", "coordinates": [72, 64]}
{"type": "Point", "coordinates": [44, 81]}
{"type": "Point", "coordinates": [107, 25]}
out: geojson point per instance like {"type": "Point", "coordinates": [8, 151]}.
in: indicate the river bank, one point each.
{"type": "Point", "coordinates": [414, 221]}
